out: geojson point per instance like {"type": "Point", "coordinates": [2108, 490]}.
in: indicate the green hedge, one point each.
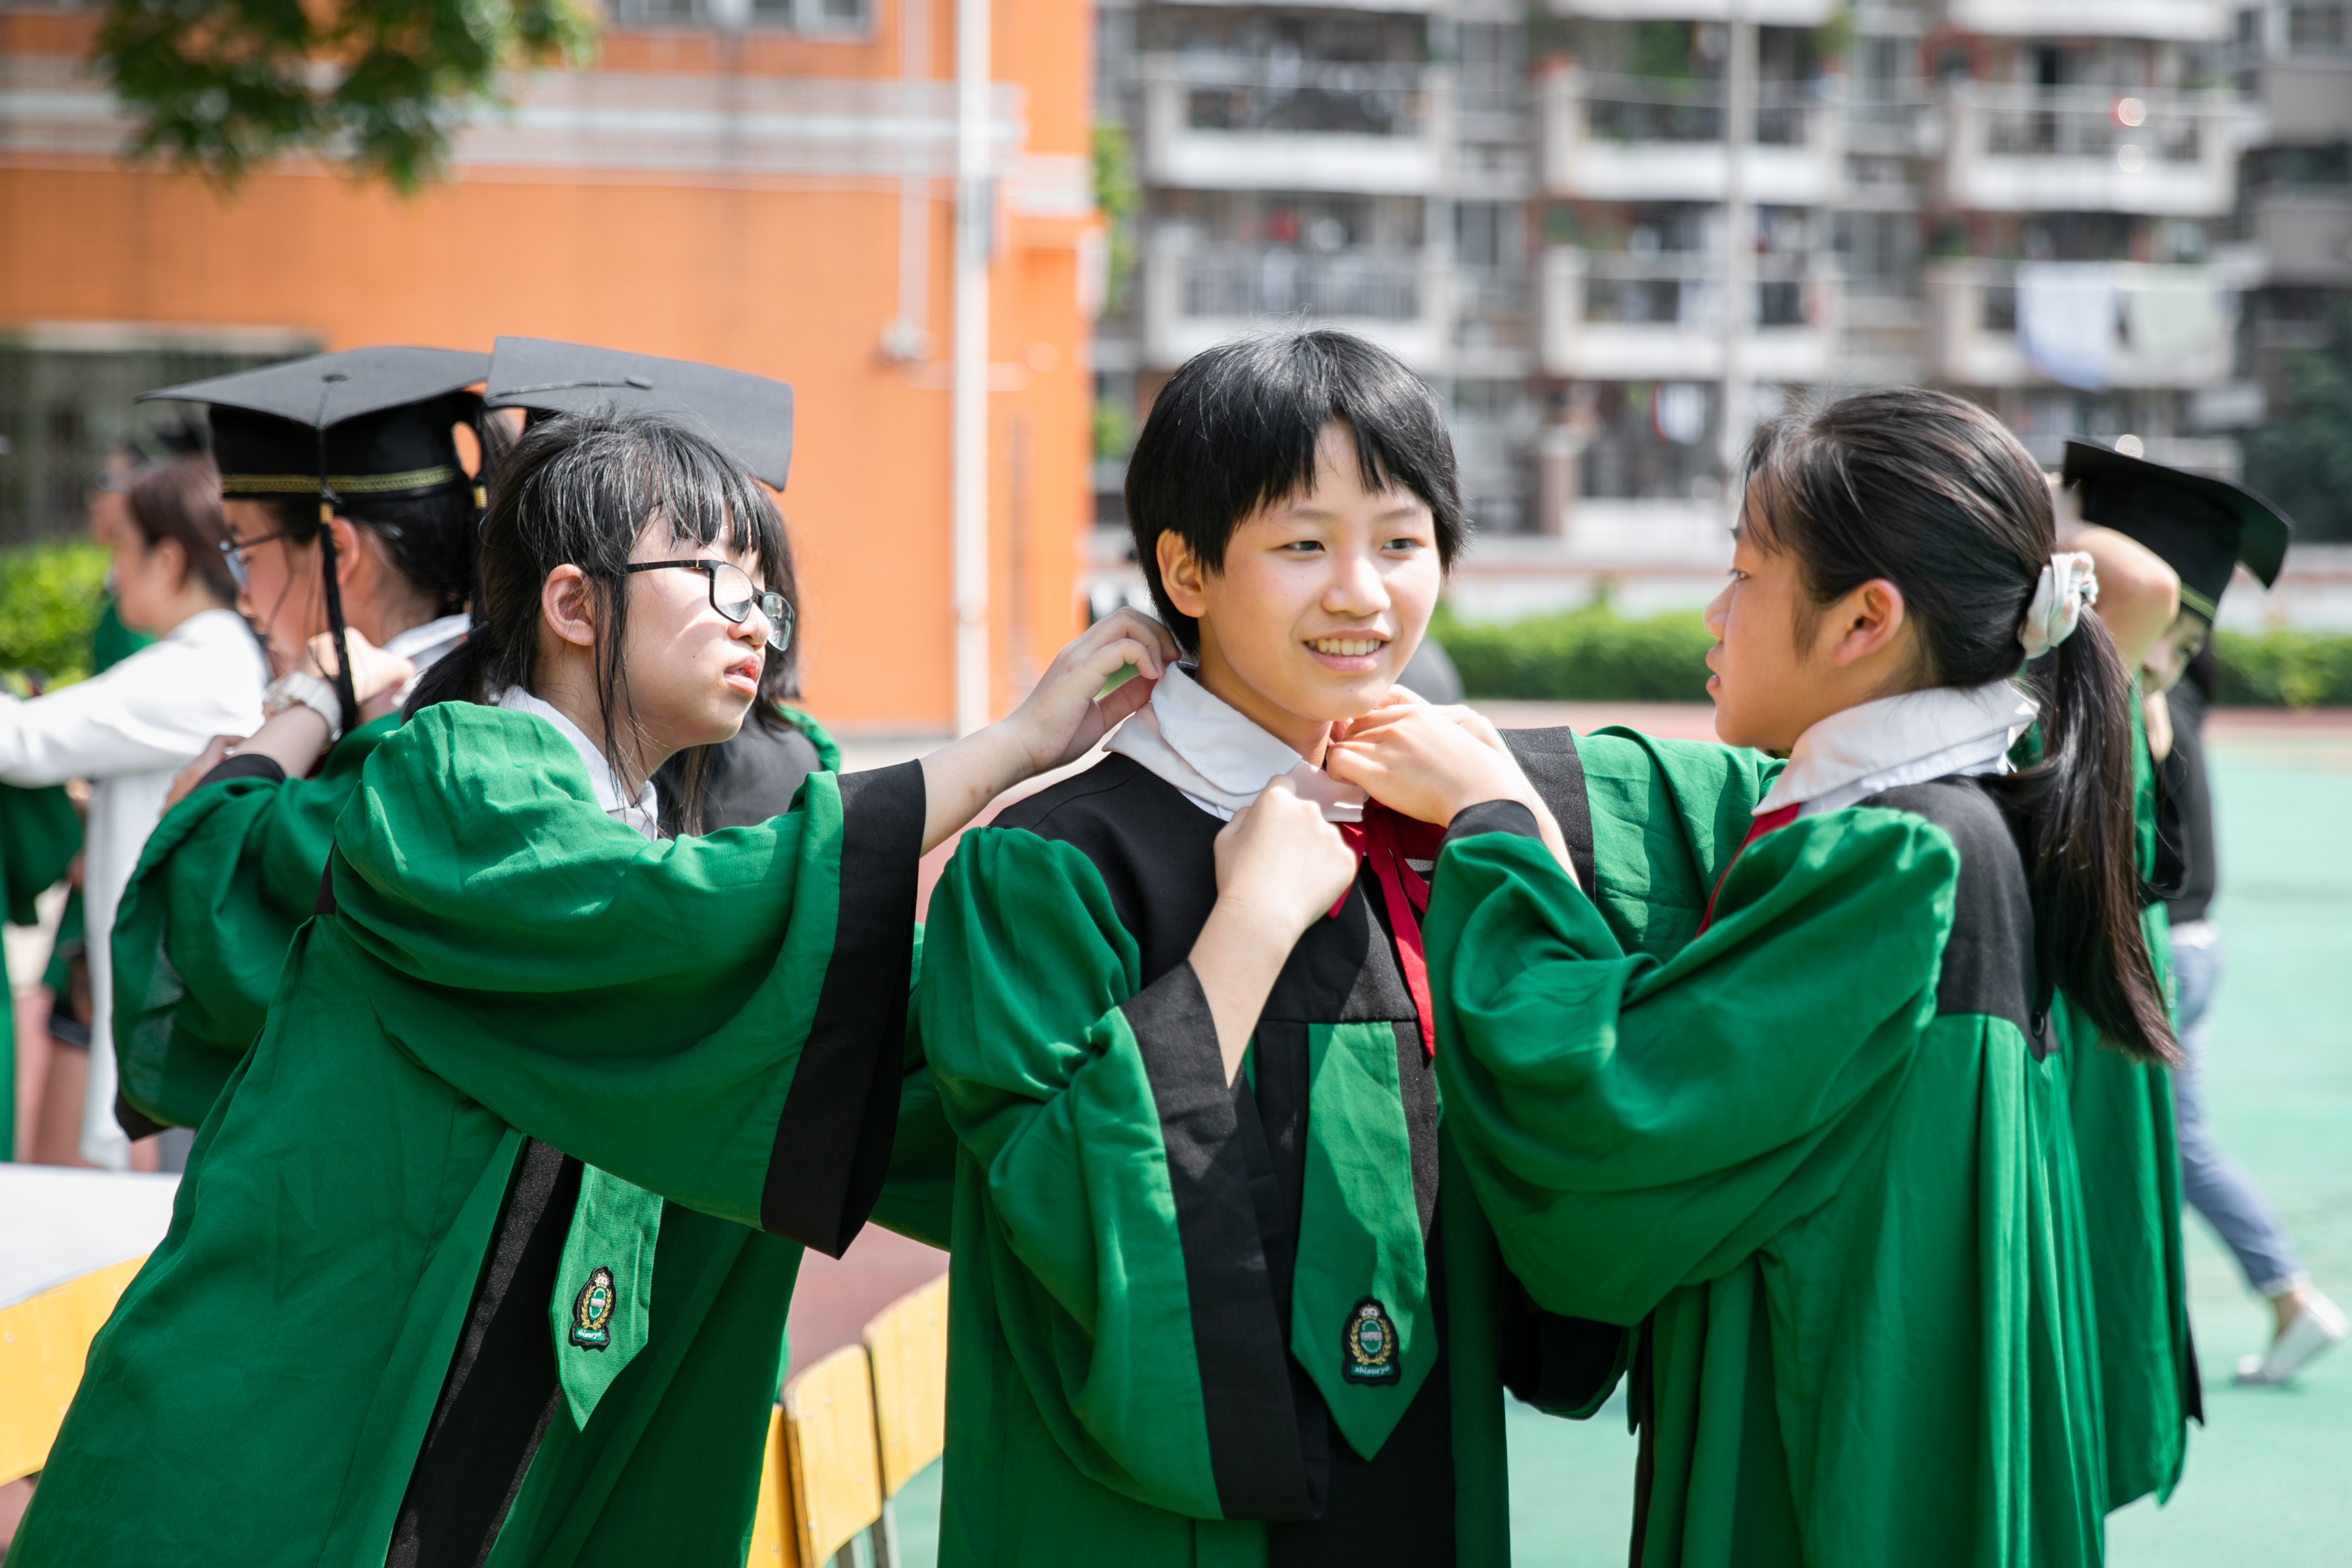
{"type": "Point", "coordinates": [2285, 669]}
{"type": "Point", "coordinates": [1587, 655]}
{"type": "Point", "coordinates": [1596, 654]}
{"type": "Point", "coordinates": [48, 602]}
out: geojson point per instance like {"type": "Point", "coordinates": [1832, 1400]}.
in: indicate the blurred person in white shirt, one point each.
{"type": "Point", "coordinates": [129, 729]}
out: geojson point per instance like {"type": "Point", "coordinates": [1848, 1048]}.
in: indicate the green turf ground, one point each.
{"type": "Point", "coordinates": [2269, 1483]}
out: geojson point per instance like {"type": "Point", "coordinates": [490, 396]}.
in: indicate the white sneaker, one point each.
{"type": "Point", "coordinates": [2308, 1335]}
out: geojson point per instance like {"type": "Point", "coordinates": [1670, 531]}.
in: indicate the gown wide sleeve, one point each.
{"type": "Point", "coordinates": [719, 1020]}
{"type": "Point", "coordinates": [1633, 1126]}
{"type": "Point", "coordinates": [228, 876]}
{"type": "Point", "coordinates": [1129, 1281]}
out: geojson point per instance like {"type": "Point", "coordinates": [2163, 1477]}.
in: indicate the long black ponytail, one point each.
{"type": "Point", "coordinates": [1933, 494]}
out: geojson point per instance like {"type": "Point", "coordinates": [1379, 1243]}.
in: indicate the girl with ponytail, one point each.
{"type": "Point", "coordinates": [1820, 1155]}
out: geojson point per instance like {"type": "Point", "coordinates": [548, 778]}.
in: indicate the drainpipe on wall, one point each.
{"type": "Point", "coordinates": [1739, 98]}
{"type": "Point", "coordinates": [969, 420]}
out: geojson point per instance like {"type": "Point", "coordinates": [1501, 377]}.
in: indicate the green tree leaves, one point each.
{"type": "Point", "coordinates": [380, 86]}
{"type": "Point", "coordinates": [2302, 460]}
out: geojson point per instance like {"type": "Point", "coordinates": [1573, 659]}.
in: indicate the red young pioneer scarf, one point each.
{"type": "Point", "coordinates": [1770, 822]}
{"type": "Point", "coordinates": [1390, 841]}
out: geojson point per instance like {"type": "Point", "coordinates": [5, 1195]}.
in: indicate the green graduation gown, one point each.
{"type": "Point", "coordinates": [230, 873]}
{"type": "Point", "coordinates": [228, 877]}
{"type": "Point", "coordinates": [352, 1346]}
{"type": "Point", "coordinates": [1814, 1153]}
{"type": "Point", "coordinates": [2130, 1152]}
{"type": "Point", "coordinates": [1267, 1323]}
{"type": "Point", "coordinates": [39, 835]}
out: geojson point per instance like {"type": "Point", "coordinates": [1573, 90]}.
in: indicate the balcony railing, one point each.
{"type": "Point", "coordinates": [1318, 96]}
{"type": "Point", "coordinates": [1613, 316]}
{"type": "Point", "coordinates": [1283, 280]}
{"type": "Point", "coordinates": [1653, 109]}
{"type": "Point", "coordinates": [1616, 138]}
{"type": "Point", "coordinates": [2011, 148]}
{"type": "Point", "coordinates": [1227, 122]}
{"type": "Point", "coordinates": [1196, 292]}
{"type": "Point", "coordinates": [1687, 289]}
{"type": "Point", "coordinates": [2172, 327]}
{"type": "Point", "coordinates": [2183, 20]}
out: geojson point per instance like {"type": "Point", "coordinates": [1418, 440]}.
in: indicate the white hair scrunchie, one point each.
{"type": "Point", "coordinates": [2069, 584]}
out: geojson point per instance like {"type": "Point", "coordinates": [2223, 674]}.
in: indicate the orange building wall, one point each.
{"type": "Point", "coordinates": [784, 278]}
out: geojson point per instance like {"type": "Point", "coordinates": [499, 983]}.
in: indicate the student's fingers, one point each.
{"type": "Point", "coordinates": [1474, 723]}
{"type": "Point", "coordinates": [1116, 705]}
{"type": "Point", "coordinates": [1365, 725]}
{"type": "Point", "coordinates": [1121, 638]}
{"type": "Point", "coordinates": [1424, 764]}
{"type": "Point", "coordinates": [1279, 852]}
{"type": "Point", "coordinates": [215, 751]}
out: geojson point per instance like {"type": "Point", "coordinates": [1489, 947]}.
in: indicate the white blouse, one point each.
{"type": "Point", "coordinates": [128, 730]}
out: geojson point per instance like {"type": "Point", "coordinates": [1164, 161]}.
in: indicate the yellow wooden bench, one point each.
{"type": "Point", "coordinates": [852, 1429]}
{"type": "Point", "coordinates": [44, 1340]}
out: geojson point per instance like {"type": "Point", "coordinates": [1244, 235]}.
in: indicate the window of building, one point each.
{"type": "Point", "coordinates": [817, 18]}
{"type": "Point", "coordinates": [62, 409]}
{"type": "Point", "coordinates": [2316, 29]}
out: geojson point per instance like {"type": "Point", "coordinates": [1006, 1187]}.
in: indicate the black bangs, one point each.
{"type": "Point", "coordinates": [1235, 430]}
{"type": "Point", "coordinates": [581, 489]}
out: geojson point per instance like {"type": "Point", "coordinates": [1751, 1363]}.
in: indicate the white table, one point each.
{"type": "Point", "coordinates": [56, 1223]}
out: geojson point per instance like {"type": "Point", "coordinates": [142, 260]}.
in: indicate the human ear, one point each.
{"type": "Point", "coordinates": [173, 557]}
{"type": "Point", "coordinates": [567, 603]}
{"type": "Point", "coordinates": [1866, 621]}
{"type": "Point", "coordinates": [1181, 575]}
{"type": "Point", "coordinates": [346, 535]}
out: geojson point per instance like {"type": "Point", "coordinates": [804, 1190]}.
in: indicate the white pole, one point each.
{"type": "Point", "coordinates": [974, 199]}
{"type": "Point", "coordinates": [1740, 103]}
{"type": "Point", "coordinates": [907, 337]}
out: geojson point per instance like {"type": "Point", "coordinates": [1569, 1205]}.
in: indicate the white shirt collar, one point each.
{"type": "Point", "coordinates": [426, 646]}
{"type": "Point", "coordinates": [1217, 756]}
{"type": "Point", "coordinates": [1939, 733]}
{"type": "Point", "coordinates": [642, 814]}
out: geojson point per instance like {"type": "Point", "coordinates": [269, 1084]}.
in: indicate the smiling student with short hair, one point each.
{"type": "Point", "coordinates": [1219, 1295]}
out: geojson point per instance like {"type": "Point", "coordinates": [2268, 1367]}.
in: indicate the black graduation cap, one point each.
{"type": "Point", "coordinates": [749, 416]}
{"type": "Point", "coordinates": [370, 422]}
{"type": "Point", "coordinates": [2201, 527]}
{"type": "Point", "coordinates": [364, 422]}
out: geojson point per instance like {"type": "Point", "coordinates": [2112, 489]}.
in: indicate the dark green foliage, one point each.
{"type": "Point", "coordinates": [2302, 460]}
{"type": "Point", "coordinates": [1595, 655]}
{"type": "Point", "coordinates": [48, 601]}
{"type": "Point", "coordinates": [1591, 653]}
{"type": "Point", "coordinates": [221, 85]}
{"type": "Point", "coordinates": [2285, 669]}
{"type": "Point", "coordinates": [1120, 197]}
{"type": "Point", "coordinates": [1663, 50]}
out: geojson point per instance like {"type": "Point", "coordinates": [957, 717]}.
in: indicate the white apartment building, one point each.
{"type": "Point", "coordinates": [1599, 224]}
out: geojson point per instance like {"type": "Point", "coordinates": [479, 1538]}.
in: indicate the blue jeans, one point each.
{"type": "Point", "coordinates": [2216, 1186]}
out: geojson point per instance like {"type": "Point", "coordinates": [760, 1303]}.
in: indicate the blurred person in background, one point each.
{"type": "Point", "coordinates": [2203, 529]}
{"type": "Point", "coordinates": [2307, 1323]}
{"type": "Point", "coordinates": [204, 927]}
{"type": "Point", "coordinates": [55, 1116]}
{"type": "Point", "coordinates": [128, 730]}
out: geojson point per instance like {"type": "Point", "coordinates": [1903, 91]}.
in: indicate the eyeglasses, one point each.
{"type": "Point", "coordinates": [233, 551]}
{"type": "Point", "coordinates": [733, 596]}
